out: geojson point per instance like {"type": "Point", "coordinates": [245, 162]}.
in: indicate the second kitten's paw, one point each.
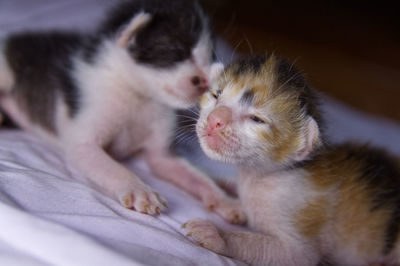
{"type": "Point", "coordinates": [205, 234]}
{"type": "Point", "coordinates": [229, 209]}
{"type": "Point", "coordinates": [142, 199]}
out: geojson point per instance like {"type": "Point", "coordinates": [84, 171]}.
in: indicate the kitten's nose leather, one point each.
{"type": "Point", "coordinates": [218, 119]}
{"type": "Point", "coordinates": [196, 80]}
{"type": "Point", "coordinates": [200, 82]}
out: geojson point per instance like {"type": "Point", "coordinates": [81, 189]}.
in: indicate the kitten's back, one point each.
{"type": "Point", "coordinates": [41, 64]}
{"type": "Point", "coordinates": [365, 211]}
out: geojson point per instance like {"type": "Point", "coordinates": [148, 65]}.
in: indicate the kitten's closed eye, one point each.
{"type": "Point", "coordinates": [215, 94]}
{"type": "Point", "coordinates": [257, 119]}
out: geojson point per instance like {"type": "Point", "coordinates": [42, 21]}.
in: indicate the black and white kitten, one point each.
{"type": "Point", "coordinates": [112, 94]}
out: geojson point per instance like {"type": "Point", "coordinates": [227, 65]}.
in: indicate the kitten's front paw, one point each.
{"type": "Point", "coordinates": [142, 199]}
{"type": "Point", "coordinates": [205, 234]}
{"type": "Point", "coordinates": [229, 209]}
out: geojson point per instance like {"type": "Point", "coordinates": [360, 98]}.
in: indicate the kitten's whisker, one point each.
{"type": "Point", "coordinates": [234, 49]}
{"type": "Point", "coordinates": [248, 44]}
{"type": "Point", "coordinates": [223, 70]}
{"type": "Point", "coordinates": [182, 139]}
{"type": "Point", "coordinates": [193, 111]}
{"type": "Point", "coordinates": [218, 58]}
{"type": "Point", "coordinates": [186, 116]}
{"type": "Point", "coordinates": [287, 81]}
{"type": "Point", "coordinates": [293, 63]}
{"type": "Point", "coordinates": [187, 130]}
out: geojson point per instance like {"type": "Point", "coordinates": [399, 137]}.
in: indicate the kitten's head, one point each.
{"type": "Point", "coordinates": [171, 45]}
{"type": "Point", "coordinates": [259, 112]}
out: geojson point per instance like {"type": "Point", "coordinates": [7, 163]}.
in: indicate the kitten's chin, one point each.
{"type": "Point", "coordinates": [216, 154]}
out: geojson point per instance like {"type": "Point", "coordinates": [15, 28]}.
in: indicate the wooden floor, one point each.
{"type": "Point", "coordinates": [350, 50]}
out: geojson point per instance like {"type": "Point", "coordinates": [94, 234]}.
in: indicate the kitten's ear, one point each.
{"type": "Point", "coordinates": [311, 139]}
{"type": "Point", "coordinates": [216, 70]}
{"type": "Point", "coordinates": [135, 25]}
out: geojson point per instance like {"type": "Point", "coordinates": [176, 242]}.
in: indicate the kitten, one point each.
{"type": "Point", "coordinates": [111, 94]}
{"type": "Point", "coordinates": [306, 203]}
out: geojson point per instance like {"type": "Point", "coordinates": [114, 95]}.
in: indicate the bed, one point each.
{"type": "Point", "coordinates": [49, 217]}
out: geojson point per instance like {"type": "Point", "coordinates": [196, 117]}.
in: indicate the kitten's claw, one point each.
{"type": "Point", "coordinates": [206, 235]}
{"type": "Point", "coordinates": [143, 200]}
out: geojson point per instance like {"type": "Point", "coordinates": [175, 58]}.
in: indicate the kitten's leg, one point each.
{"type": "Point", "coordinates": [114, 179]}
{"type": "Point", "coordinates": [181, 173]}
{"type": "Point", "coordinates": [252, 248]}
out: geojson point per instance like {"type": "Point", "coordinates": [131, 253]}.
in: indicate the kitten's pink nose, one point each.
{"type": "Point", "coordinates": [218, 119]}
{"type": "Point", "coordinates": [200, 82]}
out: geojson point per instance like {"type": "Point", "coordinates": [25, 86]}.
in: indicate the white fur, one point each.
{"type": "Point", "coordinates": [127, 108]}
{"type": "Point", "coordinates": [269, 202]}
{"type": "Point", "coordinates": [216, 70]}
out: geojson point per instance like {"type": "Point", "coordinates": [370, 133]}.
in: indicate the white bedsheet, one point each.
{"type": "Point", "coordinates": [38, 195]}
{"type": "Point", "coordinates": [47, 217]}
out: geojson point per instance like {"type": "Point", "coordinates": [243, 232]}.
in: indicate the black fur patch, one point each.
{"type": "Point", "coordinates": [90, 48]}
{"type": "Point", "coordinates": [247, 98]}
{"type": "Point", "coordinates": [41, 63]}
{"type": "Point", "coordinates": [392, 229]}
{"type": "Point", "coordinates": [249, 64]}
{"type": "Point", "coordinates": [382, 175]}
{"type": "Point", "coordinates": [169, 37]}
{"type": "Point", "coordinates": [289, 78]}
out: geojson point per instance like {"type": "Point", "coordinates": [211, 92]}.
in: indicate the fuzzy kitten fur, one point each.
{"type": "Point", "coordinates": [307, 202]}
{"type": "Point", "coordinates": [112, 93]}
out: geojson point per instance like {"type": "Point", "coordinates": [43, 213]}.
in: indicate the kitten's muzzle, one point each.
{"type": "Point", "coordinates": [218, 119]}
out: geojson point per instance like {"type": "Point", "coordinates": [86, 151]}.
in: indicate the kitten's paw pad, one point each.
{"type": "Point", "coordinates": [143, 200]}
{"type": "Point", "coordinates": [229, 209]}
{"type": "Point", "coordinates": [205, 234]}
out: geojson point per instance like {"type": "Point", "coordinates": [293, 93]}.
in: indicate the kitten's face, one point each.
{"type": "Point", "coordinates": [182, 83]}
{"type": "Point", "coordinates": [170, 45]}
{"type": "Point", "coordinates": [249, 116]}
{"type": "Point", "coordinates": [175, 47]}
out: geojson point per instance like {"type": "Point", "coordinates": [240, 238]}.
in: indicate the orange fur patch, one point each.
{"type": "Point", "coordinates": [354, 224]}
{"type": "Point", "coordinates": [310, 220]}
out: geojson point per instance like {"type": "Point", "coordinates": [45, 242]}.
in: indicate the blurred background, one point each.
{"type": "Point", "coordinates": [350, 50]}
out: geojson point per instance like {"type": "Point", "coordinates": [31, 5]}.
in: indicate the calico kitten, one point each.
{"type": "Point", "coordinates": [111, 94]}
{"type": "Point", "coordinates": [306, 203]}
